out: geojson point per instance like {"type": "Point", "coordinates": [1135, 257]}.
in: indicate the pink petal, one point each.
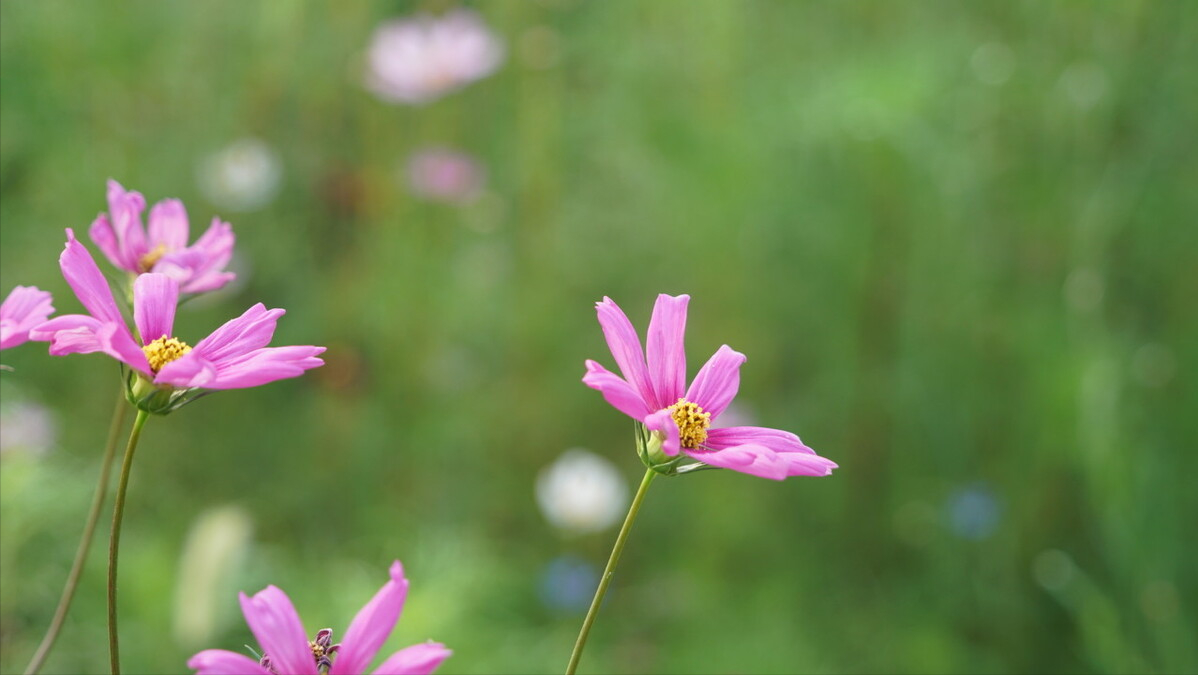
{"type": "Point", "coordinates": [755, 460]}
{"type": "Point", "coordinates": [23, 310]}
{"type": "Point", "coordinates": [179, 265]}
{"type": "Point", "coordinates": [103, 235]}
{"type": "Point", "coordinates": [265, 365]}
{"type": "Point", "coordinates": [190, 370]}
{"type": "Point", "coordinates": [801, 464]}
{"type": "Point", "coordinates": [200, 267]}
{"type": "Point", "coordinates": [168, 225]}
{"type": "Point", "coordinates": [69, 334]}
{"type": "Point", "coordinates": [88, 282]}
{"type": "Point", "coordinates": [155, 298]}
{"type": "Point", "coordinates": [625, 348]}
{"type": "Point", "coordinates": [664, 422]}
{"type": "Point", "coordinates": [415, 660]}
{"type": "Point", "coordinates": [92, 289]}
{"type": "Point", "coordinates": [717, 382]}
{"type": "Point", "coordinates": [665, 351]}
{"type": "Point", "coordinates": [252, 330]}
{"type": "Point", "coordinates": [615, 390]}
{"type": "Point", "coordinates": [222, 662]}
{"type": "Point", "coordinates": [116, 342]}
{"type": "Point", "coordinates": [276, 625]}
{"type": "Point", "coordinates": [372, 625]}
{"type": "Point", "coordinates": [125, 208]}
{"type": "Point", "coordinates": [780, 441]}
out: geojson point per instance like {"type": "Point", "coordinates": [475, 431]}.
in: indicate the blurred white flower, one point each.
{"type": "Point", "coordinates": [442, 175]}
{"type": "Point", "coordinates": [215, 546]}
{"type": "Point", "coordinates": [242, 177]}
{"type": "Point", "coordinates": [581, 492]}
{"type": "Point", "coordinates": [26, 427]}
{"type": "Point", "coordinates": [420, 59]}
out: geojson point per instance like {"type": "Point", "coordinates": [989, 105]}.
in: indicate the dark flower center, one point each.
{"type": "Point", "coordinates": [322, 651]}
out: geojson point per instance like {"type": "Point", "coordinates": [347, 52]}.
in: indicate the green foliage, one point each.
{"type": "Point", "coordinates": [951, 238]}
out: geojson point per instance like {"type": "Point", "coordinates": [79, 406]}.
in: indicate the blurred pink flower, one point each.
{"type": "Point", "coordinates": [655, 394]}
{"type": "Point", "coordinates": [232, 357]}
{"type": "Point", "coordinates": [163, 248]}
{"type": "Point", "coordinates": [444, 175]}
{"type": "Point", "coordinates": [275, 623]}
{"type": "Point", "coordinates": [24, 308]}
{"type": "Point", "coordinates": [420, 59]}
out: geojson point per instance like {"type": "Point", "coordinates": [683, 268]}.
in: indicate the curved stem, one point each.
{"type": "Point", "coordinates": [114, 540]}
{"type": "Point", "coordinates": [89, 529]}
{"type": "Point", "coordinates": [609, 571]}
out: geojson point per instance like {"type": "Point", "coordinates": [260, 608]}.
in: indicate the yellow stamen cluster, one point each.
{"type": "Point", "coordinates": [692, 423]}
{"type": "Point", "coordinates": [317, 650]}
{"type": "Point", "coordinates": [148, 260]}
{"type": "Point", "coordinates": [164, 350]}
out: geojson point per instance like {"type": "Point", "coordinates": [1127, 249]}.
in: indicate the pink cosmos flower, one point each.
{"type": "Point", "coordinates": [24, 308]}
{"type": "Point", "coordinates": [163, 247]}
{"type": "Point", "coordinates": [654, 392]}
{"type": "Point", "coordinates": [232, 357]}
{"type": "Point", "coordinates": [287, 650]}
{"type": "Point", "coordinates": [418, 60]}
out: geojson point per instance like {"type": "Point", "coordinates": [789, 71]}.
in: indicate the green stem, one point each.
{"type": "Point", "coordinates": [114, 540]}
{"type": "Point", "coordinates": [609, 571]}
{"type": "Point", "coordinates": [89, 529]}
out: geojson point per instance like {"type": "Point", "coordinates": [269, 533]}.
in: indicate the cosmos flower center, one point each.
{"type": "Point", "coordinates": [164, 350]}
{"type": "Point", "coordinates": [147, 261]}
{"type": "Point", "coordinates": [322, 651]}
{"type": "Point", "coordinates": [692, 423]}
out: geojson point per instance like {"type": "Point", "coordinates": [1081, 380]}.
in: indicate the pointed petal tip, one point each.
{"type": "Point", "coordinates": [396, 572]}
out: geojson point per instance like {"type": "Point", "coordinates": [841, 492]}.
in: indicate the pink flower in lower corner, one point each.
{"type": "Point", "coordinates": [286, 649]}
{"type": "Point", "coordinates": [24, 308]}
{"type": "Point", "coordinates": [232, 357]}
{"type": "Point", "coordinates": [653, 391]}
{"type": "Point", "coordinates": [162, 247]}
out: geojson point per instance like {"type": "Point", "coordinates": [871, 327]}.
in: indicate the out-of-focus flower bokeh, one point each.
{"type": "Point", "coordinates": [956, 243]}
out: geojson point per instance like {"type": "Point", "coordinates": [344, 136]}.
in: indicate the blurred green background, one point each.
{"type": "Point", "coordinates": [956, 241]}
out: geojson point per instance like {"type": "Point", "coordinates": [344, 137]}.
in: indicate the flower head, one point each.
{"type": "Point", "coordinates": [23, 309]}
{"type": "Point", "coordinates": [653, 391]}
{"type": "Point", "coordinates": [288, 651]}
{"type": "Point", "coordinates": [162, 248]}
{"type": "Point", "coordinates": [232, 357]}
{"type": "Point", "coordinates": [420, 59]}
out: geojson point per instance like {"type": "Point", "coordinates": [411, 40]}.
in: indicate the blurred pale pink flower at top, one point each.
{"type": "Point", "coordinates": [162, 248]}
{"type": "Point", "coordinates": [232, 357]}
{"type": "Point", "coordinates": [420, 59]}
{"type": "Point", "coordinates": [287, 651]}
{"type": "Point", "coordinates": [24, 308]}
{"type": "Point", "coordinates": [653, 391]}
{"type": "Point", "coordinates": [444, 175]}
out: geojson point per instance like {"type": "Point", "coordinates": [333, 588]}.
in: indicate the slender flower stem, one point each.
{"type": "Point", "coordinates": [609, 571]}
{"type": "Point", "coordinates": [89, 529]}
{"type": "Point", "coordinates": [114, 540]}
